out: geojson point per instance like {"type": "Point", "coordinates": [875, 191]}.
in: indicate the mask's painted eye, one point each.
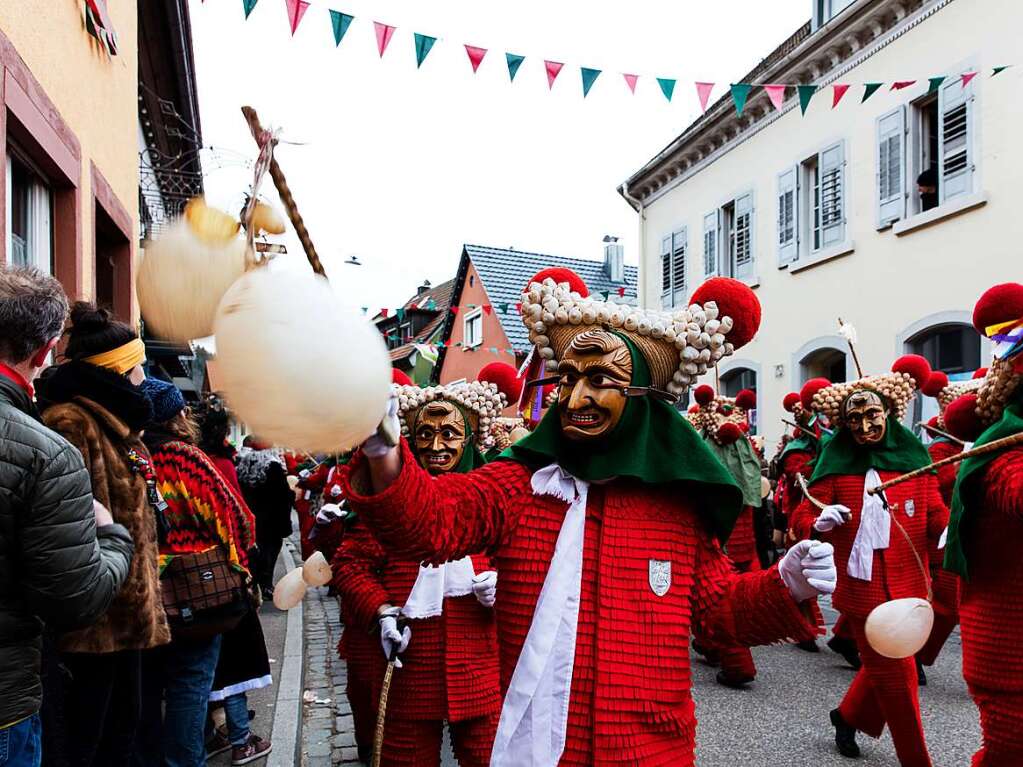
{"type": "Point", "coordinates": [599, 379]}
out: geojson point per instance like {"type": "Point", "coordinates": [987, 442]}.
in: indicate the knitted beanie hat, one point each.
{"type": "Point", "coordinates": [165, 397]}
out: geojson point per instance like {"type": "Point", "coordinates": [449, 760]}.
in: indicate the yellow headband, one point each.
{"type": "Point", "coordinates": [122, 359]}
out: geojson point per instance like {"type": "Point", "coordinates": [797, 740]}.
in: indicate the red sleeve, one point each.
{"type": "Point", "coordinates": [750, 608]}
{"type": "Point", "coordinates": [937, 520]}
{"type": "Point", "coordinates": [801, 522]}
{"type": "Point", "coordinates": [314, 482]}
{"type": "Point", "coordinates": [358, 560]}
{"type": "Point", "coordinates": [437, 519]}
{"type": "Point", "coordinates": [946, 474]}
{"type": "Point", "coordinates": [1003, 484]}
{"type": "Point", "coordinates": [796, 462]}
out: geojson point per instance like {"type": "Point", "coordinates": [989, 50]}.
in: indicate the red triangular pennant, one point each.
{"type": "Point", "coordinates": [837, 92]}
{"type": "Point", "coordinates": [967, 76]}
{"type": "Point", "coordinates": [454, 310]}
{"type": "Point", "coordinates": [621, 291]}
{"type": "Point", "coordinates": [475, 56]}
{"type": "Point", "coordinates": [899, 85]}
{"type": "Point", "coordinates": [776, 93]}
{"type": "Point", "coordinates": [488, 308]}
{"type": "Point", "coordinates": [296, 10]}
{"type": "Point", "coordinates": [631, 80]}
{"type": "Point", "coordinates": [703, 91]}
{"type": "Point", "coordinates": [384, 34]}
{"type": "Point", "coordinates": [383, 312]}
{"type": "Point", "coordinates": [553, 68]}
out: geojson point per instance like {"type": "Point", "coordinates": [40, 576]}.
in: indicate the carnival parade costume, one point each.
{"type": "Point", "coordinates": [449, 668]}
{"type": "Point", "coordinates": [876, 563]}
{"type": "Point", "coordinates": [607, 543]}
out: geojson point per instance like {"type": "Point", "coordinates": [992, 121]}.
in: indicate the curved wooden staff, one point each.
{"type": "Point", "coordinates": [940, 433]}
{"type": "Point", "coordinates": [286, 197]}
{"type": "Point", "coordinates": [385, 689]}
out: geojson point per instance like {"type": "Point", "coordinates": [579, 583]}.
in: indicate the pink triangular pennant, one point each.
{"type": "Point", "coordinates": [631, 80]}
{"type": "Point", "coordinates": [898, 85]}
{"type": "Point", "coordinates": [475, 56]}
{"type": "Point", "coordinates": [296, 10]}
{"type": "Point", "coordinates": [384, 33]}
{"type": "Point", "coordinates": [703, 93]}
{"type": "Point", "coordinates": [967, 76]}
{"type": "Point", "coordinates": [838, 91]}
{"type": "Point", "coordinates": [777, 94]}
{"type": "Point", "coordinates": [553, 68]}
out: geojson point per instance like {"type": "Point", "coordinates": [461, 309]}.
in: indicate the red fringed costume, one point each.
{"type": "Point", "coordinates": [449, 671]}
{"type": "Point", "coordinates": [630, 700]}
{"type": "Point", "coordinates": [311, 486]}
{"type": "Point", "coordinates": [884, 690]}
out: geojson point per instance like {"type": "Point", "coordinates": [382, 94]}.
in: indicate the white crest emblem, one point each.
{"type": "Point", "coordinates": [910, 508]}
{"type": "Point", "coordinates": [659, 572]}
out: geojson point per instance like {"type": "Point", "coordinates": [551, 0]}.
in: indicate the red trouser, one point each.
{"type": "Point", "coordinates": [946, 615]}
{"type": "Point", "coordinates": [416, 743]}
{"type": "Point", "coordinates": [735, 660]}
{"type": "Point", "coordinates": [1001, 724]}
{"type": "Point", "coordinates": [842, 629]}
{"type": "Point", "coordinates": [885, 692]}
{"type": "Point", "coordinates": [364, 713]}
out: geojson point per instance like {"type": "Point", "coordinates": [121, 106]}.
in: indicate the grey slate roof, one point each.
{"type": "Point", "coordinates": [504, 273]}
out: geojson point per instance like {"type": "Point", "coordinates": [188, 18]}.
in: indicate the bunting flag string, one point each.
{"type": "Point", "coordinates": [776, 92]}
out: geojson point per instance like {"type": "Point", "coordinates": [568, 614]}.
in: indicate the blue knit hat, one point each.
{"type": "Point", "coordinates": [167, 400]}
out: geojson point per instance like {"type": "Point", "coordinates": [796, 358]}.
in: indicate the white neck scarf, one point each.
{"type": "Point", "coordinates": [534, 718]}
{"type": "Point", "coordinates": [433, 584]}
{"type": "Point", "coordinates": [873, 533]}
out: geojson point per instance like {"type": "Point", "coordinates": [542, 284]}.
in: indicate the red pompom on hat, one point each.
{"type": "Point", "coordinates": [933, 421]}
{"type": "Point", "coordinates": [694, 409]}
{"type": "Point", "coordinates": [505, 377]}
{"type": "Point", "coordinates": [961, 419]}
{"type": "Point", "coordinates": [746, 399]}
{"type": "Point", "coordinates": [810, 389]}
{"type": "Point", "coordinates": [704, 394]}
{"type": "Point", "coordinates": [729, 433]}
{"type": "Point", "coordinates": [980, 373]}
{"type": "Point", "coordinates": [937, 381]}
{"type": "Point", "coordinates": [791, 400]}
{"type": "Point", "coordinates": [999, 304]}
{"type": "Point", "coordinates": [918, 368]}
{"type": "Point", "coordinates": [560, 275]}
{"type": "Point", "coordinates": [400, 377]}
{"type": "Point", "coordinates": [734, 299]}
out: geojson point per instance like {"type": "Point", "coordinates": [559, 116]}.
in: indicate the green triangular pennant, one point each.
{"type": "Point", "coordinates": [365, 309]}
{"type": "Point", "coordinates": [514, 62]}
{"type": "Point", "coordinates": [667, 86]}
{"type": "Point", "coordinates": [999, 70]}
{"type": "Point", "coordinates": [431, 305]}
{"type": "Point", "coordinates": [870, 89]}
{"type": "Point", "coordinates": [805, 94]}
{"type": "Point", "coordinates": [248, 5]}
{"type": "Point", "coordinates": [740, 92]}
{"type": "Point", "coordinates": [503, 308]}
{"type": "Point", "coordinates": [339, 21]}
{"type": "Point", "coordinates": [401, 314]}
{"type": "Point", "coordinates": [589, 76]}
{"type": "Point", "coordinates": [935, 83]}
{"type": "Point", "coordinates": [423, 45]}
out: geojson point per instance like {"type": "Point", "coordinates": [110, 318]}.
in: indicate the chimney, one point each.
{"type": "Point", "coordinates": [423, 288]}
{"type": "Point", "coordinates": [614, 259]}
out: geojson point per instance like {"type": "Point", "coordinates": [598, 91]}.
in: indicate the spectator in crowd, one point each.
{"type": "Point", "coordinates": [62, 557]}
{"type": "Point", "coordinates": [94, 401]}
{"type": "Point", "coordinates": [927, 188]}
{"type": "Point", "coordinates": [264, 481]}
{"type": "Point", "coordinates": [202, 513]}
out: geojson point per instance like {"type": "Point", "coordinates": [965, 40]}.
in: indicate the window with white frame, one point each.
{"type": "Point", "coordinates": [472, 329]}
{"type": "Point", "coordinates": [29, 229]}
{"type": "Point", "coordinates": [728, 239]}
{"type": "Point", "coordinates": [812, 205]}
{"type": "Point", "coordinates": [825, 10]}
{"type": "Point", "coordinates": [925, 152]}
{"type": "Point", "coordinates": [673, 268]}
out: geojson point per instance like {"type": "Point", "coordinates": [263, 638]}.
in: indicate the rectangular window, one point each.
{"type": "Point", "coordinates": [830, 197]}
{"type": "Point", "coordinates": [711, 235]}
{"type": "Point", "coordinates": [788, 218]}
{"type": "Point", "coordinates": [406, 332]}
{"type": "Point", "coordinates": [955, 139]}
{"type": "Point", "coordinates": [29, 229]}
{"type": "Point", "coordinates": [673, 268]}
{"type": "Point", "coordinates": [891, 164]}
{"type": "Point", "coordinates": [819, 203]}
{"type": "Point", "coordinates": [740, 240]}
{"type": "Point", "coordinates": [473, 329]}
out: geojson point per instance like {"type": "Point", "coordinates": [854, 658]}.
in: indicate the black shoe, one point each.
{"type": "Point", "coordinates": [845, 736]}
{"type": "Point", "coordinates": [921, 677]}
{"type": "Point", "coordinates": [711, 657]}
{"type": "Point", "coordinates": [847, 649]}
{"type": "Point", "coordinates": [808, 646]}
{"type": "Point", "coordinates": [365, 754]}
{"type": "Point", "coordinates": [268, 593]}
{"type": "Point", "coordinates": [735, 682]}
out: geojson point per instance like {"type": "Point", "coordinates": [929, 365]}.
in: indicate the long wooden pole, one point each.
{"type": "Point", "coordinates": [940, 433]}
{"type": "Point", "coordinates": [852, 348]}
{"type": "Point", "coordinates": [286, 197]}
{"type": "Point", "coordinates": [991, 447]}
{"type": "Point", "coordinates": [803, 429]}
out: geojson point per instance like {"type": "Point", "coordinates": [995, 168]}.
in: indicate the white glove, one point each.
{"type": "Point", "coordinates": [484, 586]}
{"type": "Point", "coordinates": [831, 517]}
{"type": "Point", "coordinates": [392, 640]}
{"type": "Point", "coordinates": [304, 474]}
{"type": "Point", "coordinates": [335, 491]}
{"type": "Point", "coordinates": [808, 569]}
{"type": "Point", "coordinates": [376, 446]}
{"type": "Point", "coordinates": [328, 513]}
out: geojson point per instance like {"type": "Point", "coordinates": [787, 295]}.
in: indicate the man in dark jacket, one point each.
{"type": "Point", "coordinates": [62, 558]}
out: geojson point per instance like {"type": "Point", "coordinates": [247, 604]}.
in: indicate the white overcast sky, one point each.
{"type": "Point", "coordinates": [401, 166]}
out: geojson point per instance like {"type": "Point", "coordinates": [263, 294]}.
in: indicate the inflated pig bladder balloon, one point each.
{"type": "Point", "coordinates": [900, 628]}
{"type": "Point", "coordinates": [186, 271]}
{"type": "Point", "coordinates": [290, 590]}
{"type": "Point", "coordinates": [316, 570]}
{"type": "Point", "coordinates": [298, 367]}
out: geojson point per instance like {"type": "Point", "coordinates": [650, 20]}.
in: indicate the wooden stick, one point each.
{"type": "Point", "coordinates": [801, 428]}
{"type": "Point", "coordinates": [378, 736]}
{"type": "Point", "coordinates": [801, 480]}
{"type": "Point", "coordinates": [940, 433]}
{"type": "Point", "coordinates": [990, 447]}
{"type": "Point", "coordinates": [856, 360]}
{"type": "Point", "coordinates": [286, 197]}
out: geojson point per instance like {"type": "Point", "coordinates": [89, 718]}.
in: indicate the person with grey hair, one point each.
{"type": "Point", "coordinates": [62, 557]}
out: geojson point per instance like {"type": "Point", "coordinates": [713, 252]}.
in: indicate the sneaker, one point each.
{"type": "Point", "coordinates": [845, 736]}
{"type": "Point", "coordinates": [254, 748]}
{"type": "Point", "coordinates": [218, 743]}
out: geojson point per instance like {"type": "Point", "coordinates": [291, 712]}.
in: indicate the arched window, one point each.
{"type": "Point", "coordinates": [823, 363]}
{"type": "Point", "coordinates": [953, 348]}
{"type": "Point", "coordinates": [734, 381]}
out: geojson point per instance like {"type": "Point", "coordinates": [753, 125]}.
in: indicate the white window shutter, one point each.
{"type": "Point", "coordinates": [666, 272]}
{"type": "Point", "coordinates": [711, 243]}
{"type": "Point", "coordinates": [742, 255]}
{"type": "Point", "coordinates": [832, 190]}
{"type": "Point", "coordinates": [891, 166]}
{"type": "Point", "coordinates": [955, 128]}
{"type": "Point", "coordinates": [680, 245]}
{"type": "Point", "coordinates": [788, 228]}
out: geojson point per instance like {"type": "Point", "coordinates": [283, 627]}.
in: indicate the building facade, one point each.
{"type": "Point", "coordinates": [893, 213]}
{"type": "Point", "coordinates": [412, 331]}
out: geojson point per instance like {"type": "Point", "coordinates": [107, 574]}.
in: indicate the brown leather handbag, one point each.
{"type": "Point", "coordinates": [203, 595]}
